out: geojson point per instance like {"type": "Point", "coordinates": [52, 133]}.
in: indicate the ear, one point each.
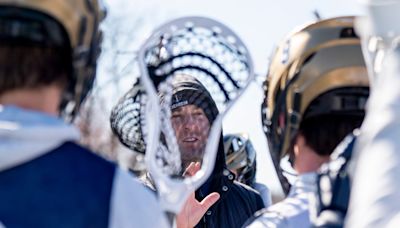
{"type": "Point", "coordinates": [299, 142]}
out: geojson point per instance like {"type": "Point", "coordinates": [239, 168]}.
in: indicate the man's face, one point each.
{"type": "Point", "coordinates": [191, 129]}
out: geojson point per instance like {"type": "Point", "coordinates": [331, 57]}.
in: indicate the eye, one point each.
{"type": "Point", "coordinates": [198, 112]}
{"type": "Point", "coordinates": [176, 115]}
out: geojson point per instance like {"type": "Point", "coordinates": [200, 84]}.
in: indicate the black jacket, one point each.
{"type": "Point", "coordinates": [237, 203]}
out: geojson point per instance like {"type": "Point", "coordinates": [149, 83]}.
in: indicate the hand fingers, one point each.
{"type": "Point", "coordinates": [192, 169]}
{"type": "Point", "coordinates": [189, 170]}
{"type": "Point", "coordinates": [209, 200]}
{"type": "Point", "coordinates": [196, 168]}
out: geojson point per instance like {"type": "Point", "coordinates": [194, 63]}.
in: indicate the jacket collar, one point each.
{"type": "Point", "coordinates": [304, 183]}
{"type": "Point", "coordinates": [26, 135]}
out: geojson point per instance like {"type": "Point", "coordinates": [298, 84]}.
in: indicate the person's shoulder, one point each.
{"type": "Point", "coordinates": [266, 218]}
{"type": "Point", "coordinates": [248, 193]}
{"type": "Point", "coordinates": [70, 160]}
{"type": "Point", "coordinates": [287, 213]}
{"type": "Point", "coordinates": [265, 193]}
{"type": "Point", "coordinates": [260, 187]}
{"type": "Point", "coordinates": [129, 196]}
{"type": "Point", "coordinates": [244, 188]}
{"type": "Point", "coordinates": [74, 148]}
{"type": "Point", "coordinates": [127, 193]}
{"type": "Point", "coordinates": [81, 154]}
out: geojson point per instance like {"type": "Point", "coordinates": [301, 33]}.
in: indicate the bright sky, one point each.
{"type": "Point", "coordinates": [260, 24]}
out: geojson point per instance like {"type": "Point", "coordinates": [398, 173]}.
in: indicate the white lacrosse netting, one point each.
{"type": "Point", "coordinates": [193, 69]}
{"type": "Point", "coordinates": [127, 119]}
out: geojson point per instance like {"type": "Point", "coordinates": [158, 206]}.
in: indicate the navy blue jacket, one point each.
{"type": "Point", "coordinates": [67, 187]}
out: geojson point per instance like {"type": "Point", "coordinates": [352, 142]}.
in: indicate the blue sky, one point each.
{"type": "Point", "coordinates": [260, 24]}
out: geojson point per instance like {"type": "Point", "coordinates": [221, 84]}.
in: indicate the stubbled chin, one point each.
{"type": "Point", "coordinates": [190, 146]}
{"type": "Point", "coordinates": [191, 153]}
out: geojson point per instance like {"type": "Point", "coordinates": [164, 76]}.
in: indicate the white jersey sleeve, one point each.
{"type": "Point", "coordinates": [289, 213]}
{"type": "Point", "coordinates": [133, 205]}
{"type": "Point", "coordinates": [375, 194]}
{"type": "Point", "coordinates": [264, 193]}
{"type": "Point", "coordinates": [293, 211]}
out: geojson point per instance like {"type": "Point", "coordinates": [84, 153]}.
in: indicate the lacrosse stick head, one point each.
{"type": "Point", "coordinates": [126, 121]}
{"type": "Point", "coordinates": [192, 69]}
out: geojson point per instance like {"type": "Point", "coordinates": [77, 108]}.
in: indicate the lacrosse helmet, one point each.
{"type": "Point", "coordinates": [72, 24]}
{"type": "Point", "coordinates": [240, 156]}
{"type": "Point", "coordinates": [316, 70]}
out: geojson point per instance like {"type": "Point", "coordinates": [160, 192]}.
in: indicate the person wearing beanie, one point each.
{"type": "Point", "coordinates": [193, 113]}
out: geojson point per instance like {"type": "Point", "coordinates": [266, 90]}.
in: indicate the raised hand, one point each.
{"type": "Point", "coordinates": [193, 210]}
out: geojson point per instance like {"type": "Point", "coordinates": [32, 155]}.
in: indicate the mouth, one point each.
{"type": "Point", "coordinates": [190, 139]}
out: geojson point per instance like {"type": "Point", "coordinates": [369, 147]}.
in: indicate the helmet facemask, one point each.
{"type": "Point", "coordinates": [240, 157]}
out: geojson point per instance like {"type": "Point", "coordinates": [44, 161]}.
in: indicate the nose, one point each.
{"type": "Point", "coordinates": [189, 122]}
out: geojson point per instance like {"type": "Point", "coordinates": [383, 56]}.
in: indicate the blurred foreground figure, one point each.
{"type": "Point", "coordinates": [315, 94]}
{"type": "Point", "coordinates": [48, 55]}
{"type": "Point", "coordinates": [375, 195]}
